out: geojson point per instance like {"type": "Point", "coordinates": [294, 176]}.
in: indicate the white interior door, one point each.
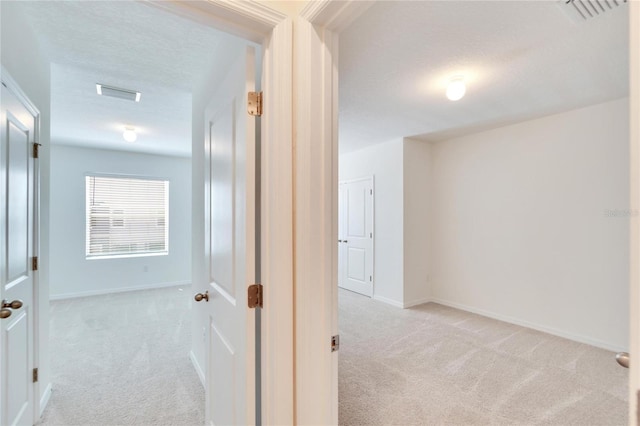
{"type": "Point", "coordinates": [17, 179]}
{"type": "Point", "coordinates": [356, 236]}
{"type": "Point", "coordinates": [230, 204]}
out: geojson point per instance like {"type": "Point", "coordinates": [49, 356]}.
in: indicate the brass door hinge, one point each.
{"type": "Point", "coordinates": [35, 375]}
{"type": "Point", "coordinates": [34, 263]}
{"type": "Point", "coordinates": [254, 106]}
{"type": "Point", "coordinates": [335, 343]}
{"type": "Point", "coordinates": [36, 150]}
{"type": "Point", "coordinates": [255, 295]}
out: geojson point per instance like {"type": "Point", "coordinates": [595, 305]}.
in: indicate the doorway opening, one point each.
{"type": "Point", "coordinates": [98, 304]}
{"type": "Point", "coordinates": [492, 282]}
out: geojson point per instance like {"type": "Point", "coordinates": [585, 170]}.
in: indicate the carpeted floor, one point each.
{"type": "Point", "coordinates": [434, 365]}
{"type": "Point", "coordinates": [123, 359]}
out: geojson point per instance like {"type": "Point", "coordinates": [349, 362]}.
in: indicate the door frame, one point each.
{"type": "Point", "coordinates": [315, 300]}
{"type": "Point", "coordinates": [299, 170]}
{"type": "Point", "coordinates": [273, 30]}
{"type": "Point", "coordinates": [14, 87]}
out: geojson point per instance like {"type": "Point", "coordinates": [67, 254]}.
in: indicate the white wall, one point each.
{"type": "Point", "coordinates": [22, 58]}
{"type": "Point", "coordinates": [526, 223]}
{"type": "Point", "coordinates": [384, 162]}
{"type": "Point", "coordinates": [520, 224]}
{"type": "Point", "coordinates": [71, 273]}
{"type": "Point", "coordinates": [417, 217]}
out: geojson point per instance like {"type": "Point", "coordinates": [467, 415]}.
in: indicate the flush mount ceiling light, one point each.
{"type": "Point", "coordinates": [456, 88]}
{"type": "Point", "coordinates": [130, 134]}
{"type": "Point", "coordinates": [117, 92]}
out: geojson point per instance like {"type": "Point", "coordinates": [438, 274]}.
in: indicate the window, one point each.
{"type": "Point", "coordinates": [126, 216]}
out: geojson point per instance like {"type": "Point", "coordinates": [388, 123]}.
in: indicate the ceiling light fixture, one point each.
{"type": "Point", "coordinates": [130, 134]}
{"type": "Point", "coordinates": [456, 88]}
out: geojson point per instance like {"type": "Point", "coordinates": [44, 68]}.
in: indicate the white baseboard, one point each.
{"type": "Point", "coordinates": [116, 290]}
{"type": "Point", "coordinates": [44, 399]}
{"type": "Point", "coordinates": [550, 330]}
{"type": "Point", "coordinates": [416, 302]}
{"type": "Point", "coordinates": [402, 305]}
{"type": "Point", "coordinates": [197, 367]}
{"type": "Point", "coordinates": [388, 301]}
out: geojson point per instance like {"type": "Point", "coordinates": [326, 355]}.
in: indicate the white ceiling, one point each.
{"type": "Point", "coordinates": [130, 45]}
{"type": "Point", "coordinates": [521, 60]}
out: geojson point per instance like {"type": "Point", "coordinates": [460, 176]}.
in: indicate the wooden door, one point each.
{"type": "Point", "coordinates": [17, 213]}
{"type": "Point", "coordinates": [231, 249]}
{"type": "Point", "coordinates": [357, 236]}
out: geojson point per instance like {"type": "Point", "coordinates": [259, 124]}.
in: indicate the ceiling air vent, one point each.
{"type": "Point", "coordinates": [116, 92]}
{"type": "Point", "coordinates": [582, 10]}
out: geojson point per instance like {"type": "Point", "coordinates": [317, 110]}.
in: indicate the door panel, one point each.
{"type": "Point", "coordinates": [222, 201]}
{"type": "Point", "coordinates": [356, 211]}
{"type": "Point", "coordinates": [18, 190]}
{"type": "Point", "coordinates": [17, 175]}
{"type": "Point", "coordinates": [355, 264]}
{"type": "Point", "coordinates": [231, 248]}
{"type": "Point", "coordinates": [17, 340]}
{"type": "Point", "coordinates": [223, 408]}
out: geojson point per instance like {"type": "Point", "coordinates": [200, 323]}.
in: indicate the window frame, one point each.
{"type": "Point", "coordinates": [88, 255]}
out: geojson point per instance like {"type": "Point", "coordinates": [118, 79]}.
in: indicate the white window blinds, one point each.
{"type": "Point", "coordinates": [127, 216]}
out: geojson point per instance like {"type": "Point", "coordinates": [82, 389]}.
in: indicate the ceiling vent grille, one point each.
{"type": "Point", "coordinates": [116, 92]}
{"type": "Point", "coordinates": [583, 10]}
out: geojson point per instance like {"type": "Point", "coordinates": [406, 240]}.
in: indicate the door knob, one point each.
{"type": "Point", "coordinates": [345, 241]}
{"type": "Point", "coordinates": [623, 359]}
{"type": "Point", "coordinates": [5, 313]}
{"type": "Point", "coordinates": [199, 296]}
{"type": "Point", "coordinates": [16, 304]}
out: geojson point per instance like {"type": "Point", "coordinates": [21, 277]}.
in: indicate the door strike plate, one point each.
{"type": "Point", "coordinates": [335, 343]}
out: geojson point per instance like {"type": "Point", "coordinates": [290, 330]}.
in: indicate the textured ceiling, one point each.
{"type": "Point", "coordinates": [521, 60]}
{"type": "Point", "coordinates": [131, 45]}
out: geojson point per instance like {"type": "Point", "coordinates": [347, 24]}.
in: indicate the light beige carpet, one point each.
{"type": "Point", "coordinates": [434, 365]}
{"type": "Point", "coordinates": [123, 359]}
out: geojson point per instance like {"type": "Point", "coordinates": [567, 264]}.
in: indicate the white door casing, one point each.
{"type": "Point", "coordinates": [316, 206]}
{"type": "Point", "coordinates": [257, 22]}
{"type": "Point", "coordinates": [356, 236]}
{"type": "Point", "coordinates": [17, 214]}
{"type": "Point", "coordinates": [230, 204]}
